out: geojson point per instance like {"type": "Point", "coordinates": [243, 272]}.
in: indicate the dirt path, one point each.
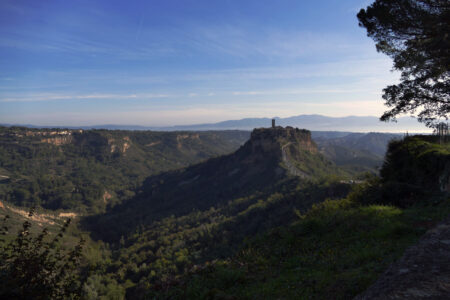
{"type": "Point", "coordinates": [422, 273]}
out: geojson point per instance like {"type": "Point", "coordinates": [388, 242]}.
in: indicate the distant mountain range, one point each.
{"type": "Point", "coordinates": [310, 122]}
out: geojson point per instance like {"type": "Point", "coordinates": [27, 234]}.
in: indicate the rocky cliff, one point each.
{"type": "Point", "coordinates": [271, 140]}
{"type": "Point", "coordinates": [58, 140]}
{"type": "Point", "coordinates": [291, 148]}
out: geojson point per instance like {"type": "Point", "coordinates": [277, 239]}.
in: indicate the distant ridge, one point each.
{"type": "Point", "coordinates": [310, 122]}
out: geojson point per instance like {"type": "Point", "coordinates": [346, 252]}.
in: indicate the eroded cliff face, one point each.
{"type": "Point", "coordinates": [271, 141]}
{"type": "Point", "coordinates": [119, 145]}
{"type": "Point", "coordinates": [58, 140]}
{"type": "Point", "coordinates": [41, 219]}
{"type": "Point", "coordinates": [288, 149]}
{"type": "Point", "coordinates": [181, 138]}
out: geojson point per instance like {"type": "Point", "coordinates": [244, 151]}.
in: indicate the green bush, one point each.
{"type": "Point", "coordinates": [37, 267]}
{"type": "Point", "coordinates": [414, 171]}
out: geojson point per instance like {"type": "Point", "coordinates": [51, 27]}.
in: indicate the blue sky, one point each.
{"type": "Point", "coordinates": [181, 62]}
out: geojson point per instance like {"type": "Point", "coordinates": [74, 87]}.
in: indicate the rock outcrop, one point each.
{"type": "Point", "coordinates": [287, 145]}
{"type": "Point", "coordinates": [119, 145]}
{"type": "Point", "coordinates": [58, 140]}
{"type": "Point", "coordinates": [270, 140]}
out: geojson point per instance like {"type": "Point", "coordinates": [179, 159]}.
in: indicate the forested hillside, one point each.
{"type": "Point", "coordinates": [93, 170]}
{"type": "Point", "coordinates": [356, 152]}
{"type": "Point", "coordinates": [199, 230]}
{"type": "Point", "coordinates": [274, 219]}
{"type": "Point", "coordinates": [271, 158]}
{"type": "Point", "coordinates": [204, 212]}
{"type": "Point", "coordinates": [338, 247]}
{"type": "Point", "coordinates": [89, 171]}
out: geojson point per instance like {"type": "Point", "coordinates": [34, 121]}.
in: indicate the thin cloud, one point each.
{"type": "Point", "coordinates": [241, 41]}
{"type": "Point", "coordinates": [53, 97]}
{"type": "Point", "coordinates": [72, 44]}
{"type": "Point", "coordinates": [324, 90]}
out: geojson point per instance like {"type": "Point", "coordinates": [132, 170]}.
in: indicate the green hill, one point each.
{"type": "Point", "coordinates": [274, 219]}
{"type": "Point", "coordinates": [270, 157]}
{"type": "Point", "coordinates": [420, 161]}
{"type": "Point", "coordinates": [92, 170]}
{"type": "Point", "coordinates": [204, 212]}
{"type": "Point", "coordinates": [337, 248]}
{"type": "Point", "coordinates": [356, 152]}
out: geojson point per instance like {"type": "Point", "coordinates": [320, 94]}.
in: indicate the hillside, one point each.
{"type": "Point", "coordinates": [419, 161]}
{"type": "Point", "coordinates": [338, 248]}
{"type": "Point", "coordinates": [95, 169]}
{"type": "Point", "coordinates": [204, 212]}
{"type": "Point", "coordinates": [373, 142]}
{"type": "Point", "coordinates": [40, 219]}
{"type": "Point", "coordinates": [356, 152]}
{"type": "Point", "coordinates": [274, 219]}
{"type": "Point", "coordinates": [271, 156]}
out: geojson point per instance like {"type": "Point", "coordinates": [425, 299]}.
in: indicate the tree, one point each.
{"type": "Point", "coordinates": [415, 34]}
{"type": "Point", "coordinates": [37, 268]}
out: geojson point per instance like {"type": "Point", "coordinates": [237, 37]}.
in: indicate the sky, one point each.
{"type": "Point", "coordinates": [167, 62]}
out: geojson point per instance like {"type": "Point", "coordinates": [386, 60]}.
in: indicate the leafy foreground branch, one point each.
{"type": "Point", "coordinates": [414, 33]}
{"type": "Point", "coordinates": [36, 267]}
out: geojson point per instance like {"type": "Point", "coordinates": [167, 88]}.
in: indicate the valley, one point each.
{"type": "Point", "coordinates": [224, 150]}
{"type": "Point", "coordinates": [89, 171]}
{"type": "Point", "coordinates": [208, 204]}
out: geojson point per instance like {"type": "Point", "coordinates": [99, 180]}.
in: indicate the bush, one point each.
{"type": "Point", "coordinates": [414, 170]}
{"type": "Point", "coordinates": [37, 268]}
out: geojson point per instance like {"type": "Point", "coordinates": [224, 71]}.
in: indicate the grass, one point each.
{"type": "Point", "coordinates": [338, 248]}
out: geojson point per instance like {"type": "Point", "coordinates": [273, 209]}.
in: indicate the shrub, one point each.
{"type": "Point", "coordinates": [37, 268]}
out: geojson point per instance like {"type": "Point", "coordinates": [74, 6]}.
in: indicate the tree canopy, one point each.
{"type": "Point", "coordinates": [415, 34]}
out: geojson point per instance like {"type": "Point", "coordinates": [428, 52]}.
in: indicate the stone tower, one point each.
{"type": "Point", "coordinates": [273, 123]}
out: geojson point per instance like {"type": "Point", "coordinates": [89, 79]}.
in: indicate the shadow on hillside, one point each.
{"type": "Point", "coordinates": [198, 187]}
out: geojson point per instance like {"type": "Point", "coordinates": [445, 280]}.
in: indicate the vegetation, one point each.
{"type": "Point", "coordinates": [242, 226]}
{"type": "Point", "coordinates": [357, 152]}
{"type": "Point", "coordinates": [420, 161]}
{"type": "Point", "coordinates": [91, 171]}
{"type": "Point", "coordinates": [170, 218]}
{"type": "Point", "coordinates": [270, 243]}
{"type": "Point", "coordinates": [415, 170]}
{"type": "Point", "coordinates": [169, 247]}
{"type": "Point", "coordinates": [338, 247]}
{"type": "Point", "coordinates": [252, 171]}
{"type": "Point", "coordinates": [35, 267]}
{"type": "Point", "coordinates": [414, 33]}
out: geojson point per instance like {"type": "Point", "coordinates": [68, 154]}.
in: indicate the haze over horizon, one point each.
{"type": "Point", "coordinates": [185, 62]}
{"type": "Point", "coordinates": [311, 122]}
